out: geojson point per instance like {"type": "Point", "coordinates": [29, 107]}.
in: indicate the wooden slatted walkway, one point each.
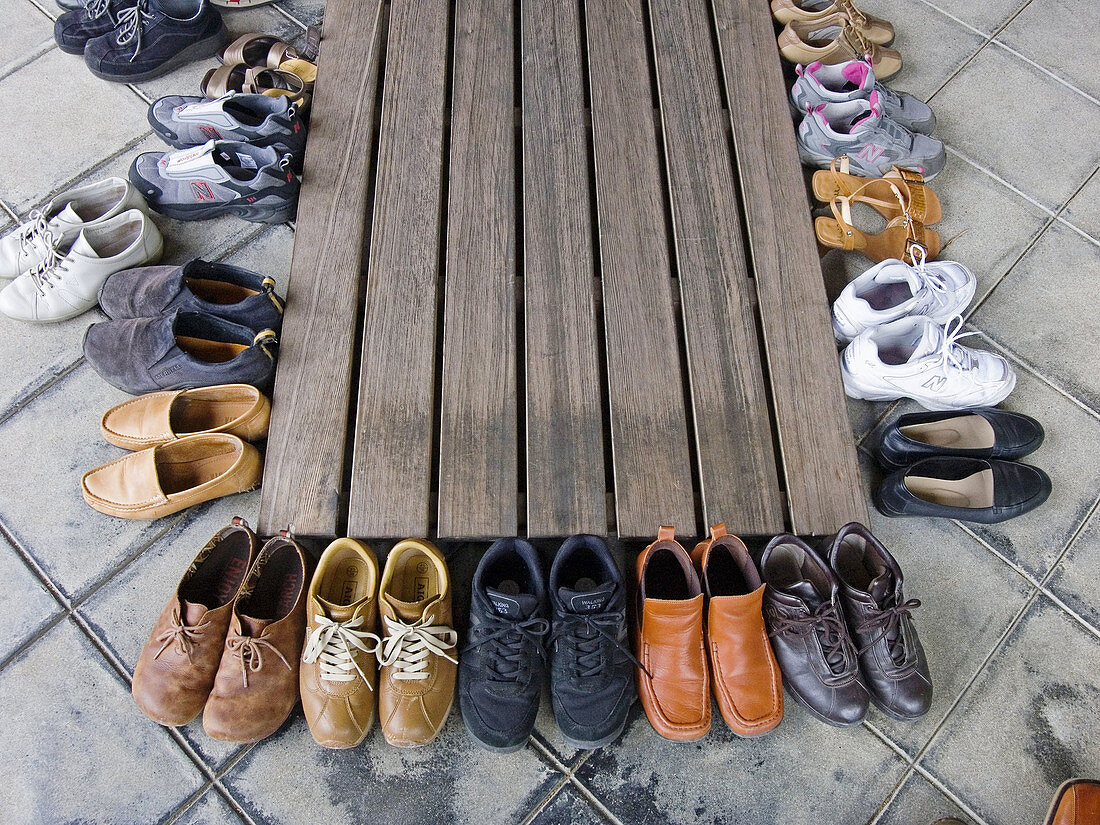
{"type": "Point", "coordinates": [554, 273]}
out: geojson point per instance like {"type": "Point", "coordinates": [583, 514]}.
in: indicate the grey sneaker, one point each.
{"type": "Point", "coordinates": [218, 178]}
{"type": "Point", "coordinates": [257, 119]}
{"type": "Point", "coordinates": [818, 85]}
{"type": "Point", "coordinates": [872, 141]}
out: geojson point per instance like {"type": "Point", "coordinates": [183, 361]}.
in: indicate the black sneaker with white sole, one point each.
{"type": "Point", "coordinates": [591, 667]}
{"type": "Point", "coordinates": [218, 178]}
{"type": "Point", "coordinates": [502, 669]}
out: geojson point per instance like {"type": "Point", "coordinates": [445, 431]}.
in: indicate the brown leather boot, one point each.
{"type": "Point", "coordinates": [1076, 803]}
{"type": "Point", "coordinates": [176, 668]}
{"type": "Point", "coordinates": [744, 673]}
{"type": "Point", "coordinates": [339, 671]}
{"type": "Point", "coordinates": [257, 683]}
{"type": "Point", "coordinates": [419, 662]}
{"type": "Point", "coordinates": [674, 685]}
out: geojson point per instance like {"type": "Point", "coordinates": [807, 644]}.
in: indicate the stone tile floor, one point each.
{"type": "Point", "coordinates": [1011, 615]}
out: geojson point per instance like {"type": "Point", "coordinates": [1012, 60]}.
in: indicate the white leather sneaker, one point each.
{"type": "Point", "coordinates": [893, 289]}
{"type": "Point", "coordinates": [916, 358]}
{"type": "Point", "coordinates": [59, 222]}
{"type": "Point", "coordinates": [67, 281]}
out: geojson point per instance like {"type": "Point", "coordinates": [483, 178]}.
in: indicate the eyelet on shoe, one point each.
{"type": "Point", "coordinates": [239, 522]}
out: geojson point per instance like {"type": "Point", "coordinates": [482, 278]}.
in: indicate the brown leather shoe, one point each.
{"type": "Point", "coordinates": [1076, 803]}
{"type": "Point", "coordinates": [873, 28]}
{"type": "Point", "coordinates": [171, 477]}
{"type": "Point", "coordinates": [257, 683]}
{"type": "Point", "coordinates": [835, 40]}
{"type": "Point", "coordinates": [339, 671]}
{"type": "Point", "coordinates": [419, 662]}
{"type": "Point", "coordinates": [176, 668]}
{"type": "Point", "coordinates": [745, 676]}
{"type": "Point", "coordinates": [159, 417]}
{"type": "Point", "coordinates": [668, 636]}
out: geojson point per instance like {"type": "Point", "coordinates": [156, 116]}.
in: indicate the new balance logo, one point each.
{"type": "Point", "coordinates": [935, 383]}
{"type": "Point", "coordinates": [871, 152]}
{"type": "Point", "coordinates": [201, 191]}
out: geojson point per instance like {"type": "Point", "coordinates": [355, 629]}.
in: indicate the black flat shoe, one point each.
{"type": "Point", "coordinates": [985, 432]}
{"type": "Point", "coordinates": [968, 489]}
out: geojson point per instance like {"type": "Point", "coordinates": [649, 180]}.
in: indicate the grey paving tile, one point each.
{"type": "Point", "coordinates": [1053, 280]}
{"type": "Point", "coordinates": [1059, 35]}
{"type": "Point", "coordinates": [269, 254]}
{"type": "Point", "coordinates": [47, 92]}
{"type": "Point", "coordinates": [1083, 211]}
{"type": "Point", "coordinates": [24, 602]}
{"type": "Point", "coordinates": [568, 807]}
{"type": "Point", "coordinates": [986, 16]}
{"type": "Point", "coordinates": [1029, 722]}
{"type": "Point", "coordinates": [309, 12]}
{"type": "Point", "coordinates": [125, 609]}
{"type": "Point", "coordinates": [27, 33]}
{"type": "Point", "coordinates": [210, 809]}
{"type": "Point", "coordinates": [722, 778]}
{"type": "Point", "coordinates": [1000, 130]}
{"type": "Point", "coordinates": [943, 566]}
{"type": "Point", "coordinates": [1074, 579]}
{"type": "Point", "coordinates": [77, 750]}
{"type": "Point", "coordinates": [74, 544]}
{"type": "Point", "coordinates": [919, 802]}
{"type": "Point", "coordinates": [447, 781]}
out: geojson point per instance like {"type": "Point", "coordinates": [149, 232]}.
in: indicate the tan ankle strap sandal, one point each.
{"type": "Point", "coordinates": [904, 237]}
{"type": "Point", "coordinates": [878, 193]}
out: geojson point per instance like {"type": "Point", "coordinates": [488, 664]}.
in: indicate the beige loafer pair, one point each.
{"type": "Point", "coordinates": [835, 32]}
{"type": "Point", "coordinates": [189, 447]}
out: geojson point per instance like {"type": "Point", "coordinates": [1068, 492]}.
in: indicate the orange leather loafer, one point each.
{"type": "Point", "coordinates": [171, 477]}
{"type": "Point", "coordinates": [1076, 803]}
{"type": "Point", "coordinates": [744, 673]}
{"type": "Point", "coordinates": [674, 680]}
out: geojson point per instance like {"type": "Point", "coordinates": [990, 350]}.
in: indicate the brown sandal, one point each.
{"type": "Point", "coordinates": [921, 202]}
{"type": "Point", "coordinates": [902, 236]}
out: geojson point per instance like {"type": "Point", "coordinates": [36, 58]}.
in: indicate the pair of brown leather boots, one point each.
{"type": "Point", "coordinates": [699, 627]}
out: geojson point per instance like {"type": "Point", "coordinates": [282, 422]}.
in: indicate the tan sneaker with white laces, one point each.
{"type": "Point", "coordinates": [834, 39]}
{"type": "Point", "coordinates": [418, 655]}
{"type": "Point", "coordinates": [873, 28]}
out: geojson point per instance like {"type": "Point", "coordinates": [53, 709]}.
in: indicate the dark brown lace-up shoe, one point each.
{"type": "Point", "coordinates": [176, 669]}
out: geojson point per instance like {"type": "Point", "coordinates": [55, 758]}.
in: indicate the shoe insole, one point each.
{"type": "Point", "coordinates": [346, 578]}
{"type": "Point", "coordinates": [218, 577]}
{"type": "Point", "coordinates": [665, 577]}
{"type": "Point", "coordinates": [176, 475]}
{"type": "Point", "coordinates": [886, 296]}
{"type": "Point", "coordinates": [724, 575]}
{"type": "Point", "coordinates": [975, 491]}
{"type": "Point", "coordinates": [243, 113]}
{"type": "Point", "coordinates": [110, 243]}
{"type": "Point", "coordinates": [218, 292]}
{"type": "Point", "coordinates": [415, 577]}
{"type": "Point", "coordinates": [90, 207]}
{"type": "Point", "coordinates": [209, 352]}
{"type": "Point", "coordinates": [195, 414]}
{"type": "Point", "coordinates": [852, 564]}
{"type": "Point", "coordinates": [788, 565]}
{"type": "Point", "coordinates": [277, 587]}
{"type": "Point", "coordinates": [969, 432]}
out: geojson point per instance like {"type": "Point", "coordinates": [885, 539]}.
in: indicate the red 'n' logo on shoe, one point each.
{"type": "Point", "coordinates": [210, 132]}
{"type": "Point", "coordinates": [201, 191]}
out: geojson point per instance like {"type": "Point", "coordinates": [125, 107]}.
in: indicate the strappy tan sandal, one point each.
{"type": "Point", "coordinates": [874, 28]}
{"type": "Point", "coordinates": [258, 50]}
{"type": "Point", "coordinates": [248, 80]}
{"type": "Point", "coordinates": [921, 202]}
{"type": "Point", "coordinates": [902, 237]}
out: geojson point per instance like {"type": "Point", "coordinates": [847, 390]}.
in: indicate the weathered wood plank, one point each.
{"type": "Point", "coordinates": [815, 436]}
{"type": "Point", "coordinates": [729, 396]}
{"type": "Point", "coordinates": [565, 449]}
{"type": "Point", "coordinates": [391, 465]}
{"type": "Point", "coordinates": [477, 441]}
{"type": "Point", "coordinates": [653, 475]}
{"type": "Point", "coordinates": [305, 447]}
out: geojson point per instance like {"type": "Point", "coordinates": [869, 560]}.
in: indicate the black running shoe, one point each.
{"type": "Point", "coordinates": [501, 670]}
{"type": "Point", "coordinates": [591, 667]}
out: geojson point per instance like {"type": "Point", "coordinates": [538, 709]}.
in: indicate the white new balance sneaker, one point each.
{"type": "Point", "coordinates": [893, 289]}
{"type": "Point", "coordinates": [67, 281]}
{"type": "Point", "coordinates": [916, 358]}
{"type": "Point", "coordinates": [59, 222]}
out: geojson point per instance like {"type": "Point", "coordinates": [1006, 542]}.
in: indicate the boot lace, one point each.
{"type": "Point", "coordinates": [888, 623]}
{"type": "Point", "coordinates": [953, 355]}
{"type": "Point", "coordinates": [131, 26]}
{"type": "Point", "coordinates": [181, 635]}
{"type": "Point", "coordinates": [406, 647]}
{"type": "Point", "coordinates": [334, 645]}
{"type": "Point", "coordinates": [99, 8]}
{"type": "Point", "coordinates": [249, 651]}
{"type": "Point", "coordinates": [840, 653]}
{"type": "Point", "coordinates": [509, 642]}
{"type": "Point", "coordinates": [590, 641]}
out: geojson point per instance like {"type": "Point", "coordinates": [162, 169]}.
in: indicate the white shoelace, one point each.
{"type": "Point", "coordinates": [332, 644]}
{"type": "Point", "coordinates": [951, 353]}
{"type": "Point", "coordinates": [44, 271]}
{"type": "Point", "coordinates": [406, 647]}
{"type": "Point", "coordinates": [938, 288]}
{"type": "Point", "coordinates": [131, 24]}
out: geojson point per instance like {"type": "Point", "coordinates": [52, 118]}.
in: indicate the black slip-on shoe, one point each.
{"type": "Point", "coordinates": [984, 432]}
{"type": "Point", "coordinates": [969, 489]}
{"type": "Point", "coordinates": [501, 670]}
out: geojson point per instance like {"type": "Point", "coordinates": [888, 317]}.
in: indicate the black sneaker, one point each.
{"type": "Point", "coordinates": [155, 36]}
{"type": "Point", "coordinates": [73, 29]}
{"type": "Point", "coordinates": [591, 667]}
{"type": "Point", "coordinates": [501, 670]}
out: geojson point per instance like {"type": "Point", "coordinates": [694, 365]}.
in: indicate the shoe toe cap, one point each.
{"type": "Point", "coordinates": [18, 299]}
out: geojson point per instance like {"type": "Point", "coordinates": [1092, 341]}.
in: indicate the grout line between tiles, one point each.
{"type": "Point", "coordinates": [35, 567]}
{"type": "Point", "coordinates": [958, 20]}
{"type": "Point", "coordinates": [51, 14]}
{"type": "Point", "coordinates": [955, 798]}
{"type": "Point", "coordinates": [36, 52]}
{"type": "Point", "coordinates": [1069, 225]}
{"type": "Point", "coordinates": [184, 806]}
{"type": "Point", "coordinates": [233, 803]}
{"type": "Point", "coordinates": [887, 741]}
{"type": "Point", "coordinates": [46, 385]}
{"type": "Point", "coordinates": [1044, 69]}
{"type": "Point", "coordinates": [232, 761]}
{"type": "Point", "coordinates": [9, 210]}
{"type": "Point", "coordinates": [54, 621]}
{"type": "Point", "coordinates": [594, 801]}
{"type": "Point", "coordinates": [884, 806]}
{"type": "Point", "coordinates": [1073, 614]}
{"type": "Point", "coordinates": [299, 23]}
{"type": "Point", "coordinates": [540, 806]}
{"type": "Point", "coordinates": [951, 150]}
{"type": "Point", "coordinates": [548, 754]}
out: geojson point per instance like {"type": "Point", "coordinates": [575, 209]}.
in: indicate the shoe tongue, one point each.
{"type": "Point", "coordinates": [67, 215]}
{"type": "Point", "coordinates": [339, 612]}
{"type": "Point", "coordinates": [511, 605]}
{"type": "Point", "coordinates": [81, 246]}
{"type": "Point", "coordinates": [927, 342]}
{"type": "Point", "coordinates": [408, 611]}
{"type": "Point", "coordinates": [587, 600]}
{"type": "Point", "coordinates": [251, 626]}
{"type": "Point", "coordinates": [804, 590]}
{"type": "Point", "coordinates": [192, 612]}
{"type": "Point", "coordinates": [880, 587]}
{"type": "Point", "coordinates": [186, 161]}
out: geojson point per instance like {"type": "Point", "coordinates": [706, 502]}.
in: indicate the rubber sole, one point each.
{"type": "Point", "coordinates": [854, 390]}
{"type": "Point", "coordinates": [794, 694]}
{"type": "Point", "coordinates": [255, 214]}
{"type": "Point", "coordinates": [588, 745]}
{"type": "Point", "coordinates": [198, 50]}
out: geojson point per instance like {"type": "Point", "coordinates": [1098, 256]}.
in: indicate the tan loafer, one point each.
{"type": "Point", "coordinates": [256, 687]}
{"type": "Point", "coordinates": [418, 656]}
{"type": "Point", "coordinates": [835, 40]}
{"type": "Point", "coordinates": [873, 28]}
{"type": "Point", "coordinates": [176, 668]}
{"type": "Point", "coordinates": [171, 477]}
{"type": "Point", "coordinates": [339, 671]}
{"type": "Point", "coordinates": [159, 417]}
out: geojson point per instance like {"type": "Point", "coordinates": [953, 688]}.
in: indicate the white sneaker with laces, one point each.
{"type": "Point", "coordinates": [914, 357]}
{"type": "Point", "coordinates": [67, 281]}
{"type": "Point", "coordinates": [893, 289]}
{"type": "Point", "coordinates": [59, 222]}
